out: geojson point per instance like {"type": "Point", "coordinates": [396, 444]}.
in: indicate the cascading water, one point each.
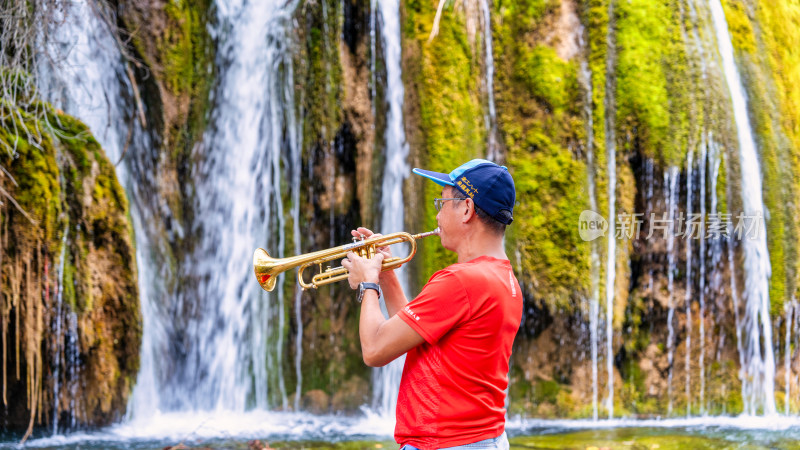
{"type": "Point", "coordinates": [295, 148]}
{"type": "Point", "coordinates": [65, 353]}
{"type": "Point", "coordinates": [386, 380]}
{"type": "Point", "coordinates": [671, 181]}
{"type": "Point", "coordinates": [492, 150]}
{"type": "Point", "coordinates": [787, 354]}
{"type": "Point", "coordinates": [714, 162]}
{"type": "Point", "coordinates": [758, 365]}
{"type": "Point", "coordinates": [611, 155]}
{"type": "Point", "coordinates": [702, 291]}
{"type": "Point", "coordinates": [688, 297]}
{"type": "Point", "coordinates": [585, 79]}
{"type": "Point", "coordinates": [84, 75]}
{"type": "Point", "coordinates": [234, 359]}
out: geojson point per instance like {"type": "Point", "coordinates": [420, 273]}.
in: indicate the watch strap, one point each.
{"type": "Point", "coordinates": [363, 286]}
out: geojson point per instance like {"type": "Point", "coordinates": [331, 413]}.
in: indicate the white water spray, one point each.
{"type": "Point", "coordinates": [688, 297]}
{"type": "Point", "coordinates": [702, 343]}
{"type": "Point", "coordinates": [235, 357]}
{"type": "Point", "coordinates": [758, 369]}
{"type": "Point", "coordinates": [492, 150]}
{"type": "Point", "coordinates": [585, 78]}
{"type": "Point", "coordinates": [386, 381]}
{"type": "Point", "coordinates": [671, 182]}
{"type": "Point", "coordinates": [85, 76]}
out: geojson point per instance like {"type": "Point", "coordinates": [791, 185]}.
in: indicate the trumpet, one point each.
{"type": "Point", "coordinates": [268, 268]}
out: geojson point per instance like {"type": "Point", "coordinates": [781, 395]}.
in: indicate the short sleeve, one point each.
{"type": "Point", "coordinates": [442, 305]}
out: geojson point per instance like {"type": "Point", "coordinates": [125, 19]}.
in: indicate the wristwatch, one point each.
{"type": "Point", "coordinates": [363, 286]}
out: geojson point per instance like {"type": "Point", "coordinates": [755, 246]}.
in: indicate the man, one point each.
{"type": "Point", "coordinates": [458, 332]}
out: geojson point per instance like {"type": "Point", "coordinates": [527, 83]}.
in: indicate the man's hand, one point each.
{"type": "Point", "coordinates": [362, 269]}
{"type": "Point", "coordinates": [365, 233]}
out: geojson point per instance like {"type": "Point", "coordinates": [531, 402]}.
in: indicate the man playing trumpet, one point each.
{"type": "Point", "coordinates": [459, 330]}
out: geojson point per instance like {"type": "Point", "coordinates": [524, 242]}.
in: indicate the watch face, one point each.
{"type": "Point", "coordinates": [360, 291]}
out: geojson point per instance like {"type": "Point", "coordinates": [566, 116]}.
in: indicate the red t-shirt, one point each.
{"type": "Point", "coordinates": [453, 386]}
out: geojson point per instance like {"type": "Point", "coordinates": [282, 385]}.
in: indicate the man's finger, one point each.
{"type": "Point", "coordinates": [365, 231]}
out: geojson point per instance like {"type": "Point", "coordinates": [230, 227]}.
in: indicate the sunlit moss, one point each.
{"type": "Point", "coordinates": [779, 34]}
{"type": "Point", "coordinates": [739, 25]}
{"type": "Point", "coordinates": [65, 184]}
{"type": "Point", "coordinates": [451, 128]}
{"type": "Point", "coordinates": [772, 103]}
{"type": "Point", "coordinates": [653, 87]}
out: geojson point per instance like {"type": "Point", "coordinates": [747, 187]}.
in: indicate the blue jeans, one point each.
{"type": "Point", "coordinates": [498, 443]}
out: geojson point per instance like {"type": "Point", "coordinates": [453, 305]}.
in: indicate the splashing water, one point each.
{"type": "Point", "coordinates": [386, 380]}
{"type": "Point", "coordinates": [758, 364]}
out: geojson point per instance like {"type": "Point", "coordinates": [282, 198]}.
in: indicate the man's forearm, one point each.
{"type": "Point", "coordinates": [393, 294]}
{"type": "Point", "coordinates": [368, 324]}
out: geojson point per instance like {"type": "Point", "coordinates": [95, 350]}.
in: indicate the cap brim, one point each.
{"type": "Point", "coordinates": [442, 179]}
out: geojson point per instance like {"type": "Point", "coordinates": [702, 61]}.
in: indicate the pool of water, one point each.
{"type": "Point", "coordinates": [256, 430]}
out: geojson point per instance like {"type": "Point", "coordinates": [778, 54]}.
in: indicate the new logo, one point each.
{"type": "Point", "coordinates": [591, 225]}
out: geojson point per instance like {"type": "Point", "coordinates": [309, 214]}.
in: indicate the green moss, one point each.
{"type": "Point", "coordinates": [451, 120]}
{"type": "Point", "coordinates": [319, 67]}
{"type": "Point", "coordinates": [539, 104]}
{"type": "Point", "coordinates": [549, 184]}
{"type": "Point", "coordinates": [761, 65]}
{"type": "Point", "coordinates": [34, 169]}
{"type": "Point", "coordinates": [653, 84]}
{"type": "Point", "coordinates": [63, 178]}
{"type": "Point", "coordinates": [545, 391]}
{"type": "Point", "coordinates": [739, 26]}
{"type": "Point", "coordinates": [782, 63]}
{"type": "Point", "coordinates": [722, 188]}
{"type": "Point", "coordinates": [547, 77]}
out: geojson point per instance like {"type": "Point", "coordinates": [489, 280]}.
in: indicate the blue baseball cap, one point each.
{"type": "Point", "coordinates": [490, 186]}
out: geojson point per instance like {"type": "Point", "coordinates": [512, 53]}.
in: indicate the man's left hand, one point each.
{"type": "Point", "coordinates": [362, 269]}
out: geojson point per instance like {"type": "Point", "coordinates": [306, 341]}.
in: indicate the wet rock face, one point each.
{"type": "Point", "coordinates": [70, 310]}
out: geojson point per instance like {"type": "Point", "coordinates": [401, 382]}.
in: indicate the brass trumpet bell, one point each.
{"type": "Point", "coordinates": [268, 268]}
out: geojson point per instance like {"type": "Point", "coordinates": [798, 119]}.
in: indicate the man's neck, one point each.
{"type": "Point", "coordinates": [481, 244]}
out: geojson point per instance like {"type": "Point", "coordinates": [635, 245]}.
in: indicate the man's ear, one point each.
{"type": "Point", "coordinates": [469, 212]}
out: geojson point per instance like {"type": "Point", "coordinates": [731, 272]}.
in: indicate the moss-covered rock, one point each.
{"type": "Point", "coordinates": [65, 202]}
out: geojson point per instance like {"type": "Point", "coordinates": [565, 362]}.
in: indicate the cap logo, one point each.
{"type": "Point", "coordinates": [467, 187]}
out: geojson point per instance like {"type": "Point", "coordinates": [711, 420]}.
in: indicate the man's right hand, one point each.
{"type": "Point", "coordinates": [366, 233]}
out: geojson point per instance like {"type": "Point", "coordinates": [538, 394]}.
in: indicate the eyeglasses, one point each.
{"type": "Point", "coordinates": [439, 202]}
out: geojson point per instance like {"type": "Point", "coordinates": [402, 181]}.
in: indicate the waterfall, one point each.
{"type": "Point", "coordinates": [84, 75]}
{"type": "Point", "coordinates": [58, 350]}
{"type": "Point", "coordinates": [688, 298]}
{"type": "Point", "coordinates": [716, 243]}
{"type": "Point", "coordinates": [492, 150]}
{"type": "Point", "coordinates": [387, 379]}
{"type": "Point", "coordinates": [610, 279]}
{"type": "Point", "coordinates": [714, 162]}
{"type": "Point", "coordinates": [758, 369]}
{"type": "Point", "coordinates": [585, 78]}
{"type": "Point", "coordinates": [218, 357]}
{"type": "Point", "coordinates": [702, 343]}
{"type": "Point", "coordinates": [787, 353]}
{"type": "Point", "coordinates": [611, 155]}
{"type": "Point", "coordinates": [671, 182]}
{"type": "Point", "coordinates": [235, 358]}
